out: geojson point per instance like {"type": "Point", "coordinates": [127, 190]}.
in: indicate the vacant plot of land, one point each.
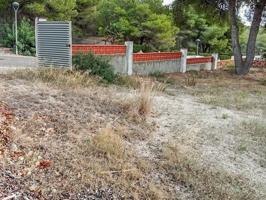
{"type": "Point", "coordinates": [66, 136]}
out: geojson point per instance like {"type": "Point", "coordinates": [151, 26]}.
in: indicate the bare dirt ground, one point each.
{"type": "Point", "coordinates": [205, 139]}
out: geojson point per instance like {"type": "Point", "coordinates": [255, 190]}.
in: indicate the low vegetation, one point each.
{"type": "Point", "coordinates": [205, 182]}
{"type": "Point", "coordinates": [222, 88]}
{"type": "Point", "coordinates": [85, 149]}
{"type": "Point", "coordinates": [67, 135]}
{"type": "Point", "coordinates": [94, 65]}
{"type": "Point", "coordinates": [255, 129]}
{"type": "Point", "coordinates": [56, 77]}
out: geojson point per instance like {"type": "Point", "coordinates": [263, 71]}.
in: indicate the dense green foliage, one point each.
{"type": "Point", "coordinates": [151, 25]}
{"type": "Point", "coordinates": [94, 65]}
{"type": "Point", "coordinates": [214, 36]}
{"type": "Point", "coordinates": [261, 41]}
{"type": "Point", "coordinates": [137, 21]}
{"type": "Point", "coordinates": [55, 9]}
{"type": "Point", "coordinates": [26, 35]}
{"type": "Point", "coordinates": [231, 10]}
{"type": "Point", "coordinates": [146, 22]}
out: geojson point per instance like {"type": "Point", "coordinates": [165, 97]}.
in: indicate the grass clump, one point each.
{"type": "Point", "coordinates": [54, 76]}
{"type": "Point", "coordinates": [145, 98]}
{"type": "Point", "coordinates": [225, 116]}
{"type": "Point", "coordinates": [256, 129]}
{"type": "Point", "coordinates": [205, 183]}
{"type": "Point", "coordinates": [109, 144]}
{"type": "Point", "coordinates": [162, 78]}
{"type": "Point", "coordinates": [128, 81]}
{"type": "Point", "coordinates": [94, 65]}
{"type": "Point", "coordinates": [139, 106]}
{"type": "Point", "coordinates": [110, 162]}
{"type": "Point", "coordinates": [157, 74]}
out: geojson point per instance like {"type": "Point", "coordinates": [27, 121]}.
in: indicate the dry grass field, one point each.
{"type": "Point", "coordinates": [65, 135]}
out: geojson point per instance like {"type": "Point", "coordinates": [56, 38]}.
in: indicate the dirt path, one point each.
{"type": "Point", "coordinates": [210, 133]}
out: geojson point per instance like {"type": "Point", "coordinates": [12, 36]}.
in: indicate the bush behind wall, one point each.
{"type": "Point", "coordinates": [94, 65]}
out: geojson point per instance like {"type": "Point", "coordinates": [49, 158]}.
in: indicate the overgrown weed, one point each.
{"type": "Point", "coordinates": [56, 77]}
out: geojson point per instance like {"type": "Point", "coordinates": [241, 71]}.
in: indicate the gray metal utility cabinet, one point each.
{"type": "Point", "coordinates": [53, 43]}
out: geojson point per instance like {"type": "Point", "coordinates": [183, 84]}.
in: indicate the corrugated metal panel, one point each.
{"type": "Point", "coordinates": [54, 43]}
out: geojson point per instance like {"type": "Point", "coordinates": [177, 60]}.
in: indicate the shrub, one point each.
{"type": "Point", "coordinates": [26, 38]}
{"type": "Point", "coordinates": [225, 56]}
{"type": "Point", "coordinates": [264, 55]}
{"type": "Point", "coordinates": [94, 65]}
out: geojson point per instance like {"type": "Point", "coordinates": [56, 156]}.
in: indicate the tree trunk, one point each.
{"type": "Point", "coordinates": [235, 37]}
{"type": "Point", "coordinates": [254, 30]}
{"type": "Point", "coordinates": [243, 67]}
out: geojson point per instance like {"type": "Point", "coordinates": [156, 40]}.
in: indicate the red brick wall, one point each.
{"type": "Point", "coordinates": [199, 60]}
{"type": "Point", "coordinates": [99, 49]}
{"type": "Point", "coordinates": [140, 57]}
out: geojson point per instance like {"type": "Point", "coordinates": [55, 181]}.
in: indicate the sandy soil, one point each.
{"type": "Point", "coordinates": [202, 131]}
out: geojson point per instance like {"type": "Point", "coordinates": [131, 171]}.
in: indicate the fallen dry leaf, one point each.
{"type": "Point", "coordinates": [44, 164]}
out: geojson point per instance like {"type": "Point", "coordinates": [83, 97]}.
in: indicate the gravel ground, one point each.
{"type": "Point", "coordinates": [202, 130]}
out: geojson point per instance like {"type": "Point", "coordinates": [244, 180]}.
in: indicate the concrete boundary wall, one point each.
{"type": "Point", "coordinates": [197, 64]}
{"type": "Point", "coordinates": [125, 61]}
{"type": "Point", "coordinates": [149, 63]}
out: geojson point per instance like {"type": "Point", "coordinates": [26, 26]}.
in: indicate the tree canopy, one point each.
{"type": "Point", "coordinates": [146, 22]}
{"type": "Point", "coordinates": [196, 25]}
{"type": "Point", "coordinates": [137, 21]}
{"type": "Point", "coordinates": [220, 8]}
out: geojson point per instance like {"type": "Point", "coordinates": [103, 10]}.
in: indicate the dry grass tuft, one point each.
{"type": "Point", "coordinates": [56, 77]}
{"type": "Point", "coordinates": [129, 81]}
{"type": "Point", "coordinates": [145, 98]}
{"type": "Point", "coordinates": [139, 106]}
{"type": "Point", "coordinates": [190, 80]}
{"type": "Point", "coordinates": [109, 144]}
{"type": "Point", "coordinates": [156, 193]}
{"type": "Point", "coordinates": [204, 182]}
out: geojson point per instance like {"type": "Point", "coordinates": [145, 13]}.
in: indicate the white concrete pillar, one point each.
{"type": "Point", "coordinates": [129, 57]}
{"type": "Point", "coordinates": [36, 35]}
{"type": "Point", "coordinates": [183, 67]}
{"type": "Point", "coordinates": [214, 61]}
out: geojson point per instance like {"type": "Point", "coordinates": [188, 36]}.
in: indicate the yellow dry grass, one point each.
{"type": "Point", "coordinates": [145, 98]}
{"type": "Point", "coordinates": [109, 144]}
{"type": "Point", "coordinates": [56, 77]}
